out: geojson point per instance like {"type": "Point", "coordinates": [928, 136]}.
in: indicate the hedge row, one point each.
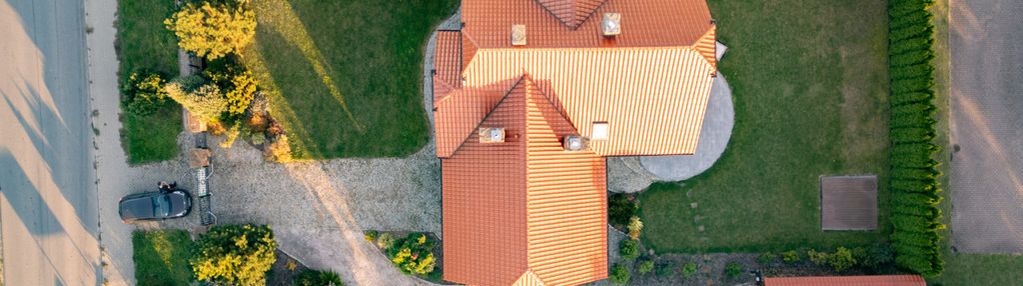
{"type": "Point", "coordinates": [915, 217]}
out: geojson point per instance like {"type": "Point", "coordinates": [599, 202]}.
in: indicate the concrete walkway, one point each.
{"type": "Point", "coordinates": [987, 125]}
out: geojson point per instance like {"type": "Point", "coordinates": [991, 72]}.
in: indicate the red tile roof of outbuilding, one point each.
{"type": "Point", "coordinates": [876, 280]}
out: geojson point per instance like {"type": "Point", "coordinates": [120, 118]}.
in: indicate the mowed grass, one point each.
{"type": "Point", "coordinates": [161, 257]}
{"type": "Point", "coordinates": [143, 44]}
{"type": "Point", "coordinates": [810, 87]}
{"type": "Point", "coordinates": [345, 77]}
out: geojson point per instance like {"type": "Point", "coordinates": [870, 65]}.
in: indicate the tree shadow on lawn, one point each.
{"type": "Point", "coordinates": [349, 74]}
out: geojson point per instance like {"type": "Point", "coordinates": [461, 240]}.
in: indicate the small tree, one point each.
{"type": "Point", "coordinates": [620, 274]}
{"type": "Point", "coordinates": [234, 255]}
{"type": "Point", "coordinates": [635, 227]}
{"type": "Point", "coordinates": [629, 249]}
{"type": "Point", "coordinates": [214, 30]}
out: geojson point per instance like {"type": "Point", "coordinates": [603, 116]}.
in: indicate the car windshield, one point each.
{"type": "Point", "coordinates": [161, 205]}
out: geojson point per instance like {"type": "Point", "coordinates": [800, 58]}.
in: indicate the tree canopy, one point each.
{"type": "Point", "coordinates": [214, 30]}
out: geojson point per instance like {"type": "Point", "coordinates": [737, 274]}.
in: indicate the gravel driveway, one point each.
{"type": "Point", "coordinates": [986, 104]}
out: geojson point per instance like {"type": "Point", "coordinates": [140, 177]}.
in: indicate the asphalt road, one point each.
{"type": "Point", "coordinates": [47, 186]}
{"type": "Point", "coordinates": [986, 41]}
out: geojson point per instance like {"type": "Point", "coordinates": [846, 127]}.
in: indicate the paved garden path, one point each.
{"type": "Point", "coordinates": [987, 125]}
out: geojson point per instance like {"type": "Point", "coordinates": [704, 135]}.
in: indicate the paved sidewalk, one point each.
{"type": "Point", "coordinates": [987, 128]}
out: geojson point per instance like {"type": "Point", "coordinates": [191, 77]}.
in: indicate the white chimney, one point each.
{"type": "Point", "coordinates": [612, 24]}
{"type": "Point", "coordinates": [518, 35]}
{"type": "Point", "coordinates": [491, 135]}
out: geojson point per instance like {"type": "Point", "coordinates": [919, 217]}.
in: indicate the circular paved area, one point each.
{"type": "Point", "coordinates": [717, 129]}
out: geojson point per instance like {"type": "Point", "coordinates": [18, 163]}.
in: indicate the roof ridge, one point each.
{"type": "Point", "coordinates": [489, 113]}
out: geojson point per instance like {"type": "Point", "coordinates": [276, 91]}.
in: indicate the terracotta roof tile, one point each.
{"type": "Point", "coordinates": [645, 23]}
{"type": "Point", "coordinates": [566, 199]}
{"type": "Point", "coordinates": [877, 280]}
{"type": "Point", "coordinates": [707, 46]}
{"type": "Point", "coordinates": [526, 211]}
{"type": "Point", "coordinates": [652, 109]}
{"type": "Point", "coordinates": [484, 203]}
{"type": "Point", "coordinates": [557, 196]}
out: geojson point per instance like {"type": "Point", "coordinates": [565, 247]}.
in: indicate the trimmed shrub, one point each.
{"type": "Point", "coordinates": [385, 241]}
{"type": "Point", "coordinates": [620, 274]}
{"type": "Point", "coordinates": [629, 249]}
{"type": "Point", "coordinates": [733, 269]}
{"type": "Point", "coordinates": [664, 269]}
{"type": "Point", "coordinates": [644, 267]}
{"type": "Point", "coordinates": [635, 227]}
{"type": "Point", "coordinates": [689, 269]}
{"type": "Point", "coordinates": [371, 236]}
{"type": "Point", "coordinates": [842, 259]}
{"type": "Point", "coordinates": [310, 277]}
{"type": "Point", "coordinates": [766, 258]}
{"type": "Point", "coordinates": [621, 208]}
{"type": "Point", "coordinates": [143, 94]}
{"type": "Point", "coordinates": [790, 257]}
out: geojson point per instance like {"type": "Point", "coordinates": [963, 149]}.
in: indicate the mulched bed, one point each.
{"type": "Point", "coordinates": [284, 270]}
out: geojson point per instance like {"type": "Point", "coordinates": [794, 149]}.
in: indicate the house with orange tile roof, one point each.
{"type": "Point", "coordinates": [529, 98]}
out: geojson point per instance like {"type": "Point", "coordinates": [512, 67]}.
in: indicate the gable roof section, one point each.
{"type": "Point", "coordinates": [566, 199]}
{"type": "Point", "coordinates": [645, 23]}
{"type": "Point", "coordinates": [571, 12]}
{"type": "Point", "coordinates": [484, 204]}
{"type": "Point", "coordinates": [652, 109]}
{"type": "Point", "coordinates": [524, 210]}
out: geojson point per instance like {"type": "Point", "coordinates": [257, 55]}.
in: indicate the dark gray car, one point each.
{"type": "Point", "coordinates": [155, 205]}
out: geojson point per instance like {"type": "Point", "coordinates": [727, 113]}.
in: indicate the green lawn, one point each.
{"type": "Point", "coordinates": [810, 85]}
{"type": "Point", "coordinates": [145, 45]}
{"type": "Point", "coordinates": [346, 76]}
{"type": "Point", "coordinates": [161, 257]}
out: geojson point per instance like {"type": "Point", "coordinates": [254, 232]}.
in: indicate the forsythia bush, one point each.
{"type": "Point", "coordinates": [214, 30]}
{"type": "Point", "coordinates": [234, 255]}
{"type": "Point", "coordinates": [413, 254]}
{"type": "Point", "coordinates": [915, 192]}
